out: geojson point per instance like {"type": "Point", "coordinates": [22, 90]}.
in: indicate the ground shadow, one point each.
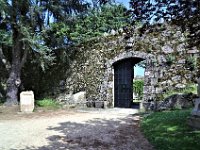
{"type": "Point", "coordinates": [98, 134]}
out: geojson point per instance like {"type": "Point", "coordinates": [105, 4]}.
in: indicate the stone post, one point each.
{"type": "Point", "coordinates": [198, 87]}
{"type": "Point", "coordinates": [194, 119]}
{"type": "Point", "coordinates": [27, 101]}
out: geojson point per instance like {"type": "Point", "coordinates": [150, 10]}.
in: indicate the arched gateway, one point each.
{"type": "Point", "coordinates": [116, 90]}
{"type": "Point", "coordinates": [101, 68]}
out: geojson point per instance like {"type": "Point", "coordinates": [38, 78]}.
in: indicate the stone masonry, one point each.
{"type": "Point", "coordinates": [165, 53]}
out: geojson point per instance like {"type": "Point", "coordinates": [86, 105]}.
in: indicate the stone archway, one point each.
{"type": "Point", "coordinates": [107, 92]}
{"type": "Point", "coordinates": [167, 65]}
{"type": "Point", "coordinates": [123, 82]}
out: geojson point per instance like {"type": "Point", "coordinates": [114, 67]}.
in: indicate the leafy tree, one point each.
{"type": "Point", "coordinates": [138, 86]}
{"type": "Point", "coordinates": [61, 37]}
{"type": "Point", "coordinates": [184, 13]}
{"type": "Point", "coordinates": [32, 32]}
{"type": "Point", "coordinates": [106, 18]}
{"type": "Point", "coordinates": [22, 24]}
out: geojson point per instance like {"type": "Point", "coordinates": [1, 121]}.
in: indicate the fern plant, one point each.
{"type": "Point", "coordinates": [170, 59]}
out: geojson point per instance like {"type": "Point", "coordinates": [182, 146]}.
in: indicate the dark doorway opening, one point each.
{"type": "Point", "coordinates": [123, 82]}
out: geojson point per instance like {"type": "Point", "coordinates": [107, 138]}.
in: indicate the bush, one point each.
{"type": "Point", "coordinates": [169, 131]}
{"type": "Point", "coordinates": [48, 103]}
{"type": "Point", "coordinates": [2, 101]}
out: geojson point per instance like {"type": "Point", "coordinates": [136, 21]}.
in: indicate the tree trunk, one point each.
{"type": "Point", "coordinates": [14, 80]}
{"type": "Point", "coordinates": [19, 55]}
{"type": "Point", "coordinates": [13, 84]}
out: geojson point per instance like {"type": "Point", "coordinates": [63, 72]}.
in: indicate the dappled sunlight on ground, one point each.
{"type": "Point", "coordinates": [112, 129]}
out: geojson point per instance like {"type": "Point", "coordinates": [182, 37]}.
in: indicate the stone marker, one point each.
{"type": "Point", "coordinates": [194, 119]}
{"type": "Point", "coordinates": [26, 101]}
{"type": "Point", "coordinates": [196, 110]}
{"type": "Point", "coordinates": [198, 87]}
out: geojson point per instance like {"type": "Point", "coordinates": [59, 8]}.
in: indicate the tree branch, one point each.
{"type": "Point", "coordinates": [4, 60]}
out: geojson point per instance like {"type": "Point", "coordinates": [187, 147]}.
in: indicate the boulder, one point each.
{"type": "Point", "coordinates": [99, 104]}
{"type": "Point", "coordinates": [79, 97]}
{"type": "Point", "coordinates": [72, 99]}
{"type": "Point", "coordinates": [167, 49]}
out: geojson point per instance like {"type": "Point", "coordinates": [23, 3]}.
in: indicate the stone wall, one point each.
{"type": "Point", "coordinates": [169, 63]}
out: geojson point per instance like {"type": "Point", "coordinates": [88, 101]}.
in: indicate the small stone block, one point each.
{"type": "Point", "coordinates": [196, 110]}
{"type": "Point", "coordinates": [27, 101]}
{"type": "Point", "coordinates": [99, 104]}
{"type": "Point", "coordinates": [194, 122]}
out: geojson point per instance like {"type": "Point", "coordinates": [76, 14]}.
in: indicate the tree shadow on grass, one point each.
{"type": "Point", "coordinates": [98, 134]}
{"type": "Point", "coordinates": [169, 130]}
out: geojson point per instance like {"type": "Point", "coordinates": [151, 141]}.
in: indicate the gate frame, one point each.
{"type": "Point", "coordinates": [150, 78]}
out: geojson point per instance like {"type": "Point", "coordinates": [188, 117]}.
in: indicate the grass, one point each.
{"type": "Point", "coordinates": [48, 103]}
{"type": "Point", "coordinates": [169, 131]}
{"type": "Point", "coordinates": [137, 100]}
{"type": "Point", "coordinates": [190, 88]}
{"type": "Point", "coordinates": [1, 102]}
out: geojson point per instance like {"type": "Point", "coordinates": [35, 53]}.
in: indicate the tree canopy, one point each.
{"type": "Point", "coordinates": [33, 32]}
{"type": "Point", "coordinates": [22, 24]}
{"type": "Point", "coordinates": [184, 13]}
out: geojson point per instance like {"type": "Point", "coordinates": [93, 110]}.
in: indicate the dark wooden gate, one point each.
{"type": "Point", "coordinates": [123, 83]}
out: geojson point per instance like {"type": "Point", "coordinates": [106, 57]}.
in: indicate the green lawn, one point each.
{"type": "Point", "coordinates": [169, 131]}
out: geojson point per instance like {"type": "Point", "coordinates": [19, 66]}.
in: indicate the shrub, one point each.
{"type": "Point", "coordinates": [49, 103]}
{"type": "Point", "coordinates": [2, 101]}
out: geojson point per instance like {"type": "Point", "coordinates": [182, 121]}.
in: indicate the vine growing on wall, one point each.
{"type": "Point", "coordinates": [190, 63]}
{"type": "Point", "coordinates": [170, 59]}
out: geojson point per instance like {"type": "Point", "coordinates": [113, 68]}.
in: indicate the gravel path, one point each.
{"type": "Point", "coordinates": [112, 129]}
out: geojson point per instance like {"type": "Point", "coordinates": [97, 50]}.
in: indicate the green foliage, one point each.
{"type": "Point", "coordinates": [170, 59]}
{"type": "Point", "coordinates": [42, 33]}
{"type": "Point", "coordinates": [142, 64]}
{"type": "Point", "coordinates": [183, 13]}
{"type": "Point", "coordinates": [1, 101]}
{"type": "Point", "coordinates": [5, 37]}
{"type": "Point", "coordinates": [190, 63]}
{"type": "Point", "coordinates": [47, 103]}
{"type": "Point", "coordinates": [23, 38]}
{"type": "Point", "coordinates": [169, 131]}
{"type": "Point", "coordinates": [138, 86]}
{"type": "Point", "coordinates": [56, 35]}
{"type": "Point", "coordinates": [190, 88]}
{"type": "Point", "coordinates": [97, 21]}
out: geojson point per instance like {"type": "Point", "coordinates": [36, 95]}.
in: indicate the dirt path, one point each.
{"type": "Point", "coordinates": [114, 129]}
